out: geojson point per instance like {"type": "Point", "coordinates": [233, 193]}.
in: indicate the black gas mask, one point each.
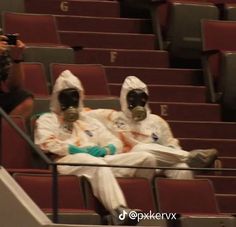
{"type": "Point", "coordinates": [69, 102]}
{"type": "Point", "coordinates": [136, 100]}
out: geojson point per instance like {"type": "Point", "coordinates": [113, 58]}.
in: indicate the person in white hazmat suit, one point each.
{"type": "Point", "coordinates": [74, 137]}
{"type": "Point", "coordinates": [142, 131]}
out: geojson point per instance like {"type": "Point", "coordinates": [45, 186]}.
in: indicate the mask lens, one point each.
{"type": "Point", "coordinates": [136, 97]}
{"type": "Point", "coordinates": [68, 98]}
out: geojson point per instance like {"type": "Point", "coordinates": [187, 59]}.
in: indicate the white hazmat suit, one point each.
{"type": "Point", "coordinates": [152, 134]}
{"type": "Point", "coordinates": [53, 137]}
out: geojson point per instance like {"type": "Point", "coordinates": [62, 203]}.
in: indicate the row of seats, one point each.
{"type": "Point", "coordinates": [166, 196]}
{"type": "Point", "coordinates": [92, 75]}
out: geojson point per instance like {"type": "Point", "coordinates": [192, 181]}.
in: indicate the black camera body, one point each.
{"type": "Point", "coordinates": [12, 39]}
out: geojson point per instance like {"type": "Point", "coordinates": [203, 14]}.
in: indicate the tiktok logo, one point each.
{"type": "Point", "coordinates": [122, 215]}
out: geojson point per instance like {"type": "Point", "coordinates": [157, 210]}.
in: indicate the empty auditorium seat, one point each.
{"type": "Point", "coordinates": [230, 11]}
{"type": "Point", "coordinates": [47, 55]}
{"type": "Point", "coordinates": [226, 85]}
{"type": "Point", "coordinates": [93, 77]}
{"type": "Point", "coordinates": [12, 5]}
{"type": "Point", "coordinates": [71, 204]}
{"type": "Point", "coordinates": [193, 199]}
{"type": "Point", "coordinates": [32, 28]}
{"type": "Point", "coordinates": [186, 196]}
{"type": "Point", "coordinates": [16, 153]}
{"type": "Point", "coordinates": [35, 78]}
{"type": "Point", "coordinates": [133, 189]}
{"type": "Point", "coordinates": [184, 35]}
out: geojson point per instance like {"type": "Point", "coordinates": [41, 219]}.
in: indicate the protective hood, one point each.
{"type": "Point", "coordinates": [130, 83]}
{"type": "Point", "coordinates": [65, 80]}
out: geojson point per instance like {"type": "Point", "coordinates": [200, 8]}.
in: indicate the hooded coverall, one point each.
{"type": "Point", "coordinates": [53, 137]}
{"type": "Point", "coordinates": [152, 134]}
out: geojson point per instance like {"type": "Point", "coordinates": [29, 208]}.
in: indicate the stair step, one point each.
{"type": "Point", "coordinates": [227, 203]}
{"type": "Point", "coordinates": [74, 7]}
{"type": "Point", "coordinates": [222, 184]}
{"type": "Point", "coordinates": [204, 129]}
{"type": "Point", "coordinates": [158, 76]}
{"type": "Point", "coordinates": [103, 24]}
{"type": "Point", "coordinates": [108, 40]}
{"type": "Point", "coordinates": [170, 93]}
{"type": "Point", "coordinates": [186, 111]}
{"type": "Point", "coordinates": [228, 162]}
{"type": "Point", "coordinates": [123, 57]}
{"type": "Point", "coordinates": [226, 147]}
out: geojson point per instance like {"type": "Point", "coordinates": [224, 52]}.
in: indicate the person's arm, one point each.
{"type": "Point", "coordinates": [15, 77]}
{"type": "Point", "coordinates": [166, 137]}
{"type": "Point", "coordinates": [46, 135]}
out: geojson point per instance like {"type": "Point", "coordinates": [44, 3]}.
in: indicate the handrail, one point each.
{"type": "Point", "coordinates": [55, 164]}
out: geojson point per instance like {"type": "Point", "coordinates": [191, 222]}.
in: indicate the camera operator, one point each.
{"type": "Point", "coordinates": [13, 100]}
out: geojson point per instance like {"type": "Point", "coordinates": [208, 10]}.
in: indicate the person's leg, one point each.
{"type": "Point", "coordinates": [103, 182]}
{"type": "Point", "coordinates": [167, 156]}
{"type": "Point", "coordinates": [179, 174]}
{"type": "Point", "coordinates": [132, 159]}
{"type": "Point", "coordinates": [24, 109]}
{"type": "Point", "coordinates": [164, 156]}
{"type": "Point", "coordinates": [17, 102]}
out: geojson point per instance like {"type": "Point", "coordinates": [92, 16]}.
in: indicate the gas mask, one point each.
{"type": "Point", "coordinates": [69, 102]}
{"type": "Point", "coordinates": [136, 100]}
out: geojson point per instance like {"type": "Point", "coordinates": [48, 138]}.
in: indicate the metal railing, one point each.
{"type": "Point", "coordinates": [54, 165]}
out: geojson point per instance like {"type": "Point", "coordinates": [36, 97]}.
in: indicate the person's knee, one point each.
{"type": "Point", "coordinates": [25, 108]}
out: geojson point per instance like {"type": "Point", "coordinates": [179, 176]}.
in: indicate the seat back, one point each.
{"type": "Point", "coordinates": [227, 86]}
{"type": "Point", "coordinates": [184, 36]}
{"type": "Point", "coordinates": [32, 28]}
{"type": "Point", "coordinates": [230, 11]}
{"type": "Point", "coordinates": [13, 6]}
{"type": "Point", "coordinates": [35, 78]}
{"type": "Point", "coordinates": [218, 35]}
{"type": "Point", "coordinates": [16, 153]}
{"type": "Point", "coordinates": [133, 189]}
{"type": "Point", "coordinates": [185, 196]}
{"type": "Point", "coordinates": [92, 76]}
{"type": "Point", "coordinates": [47, 55]}
{"type": "Point", "coordinates": [39, 188]}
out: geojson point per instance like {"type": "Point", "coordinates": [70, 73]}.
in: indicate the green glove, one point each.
{"type": "Point", "coordinates": [74, 149]}
{"type": "Point", "coordinates": [111, 149]}
{"type": "Point", "coordinates": [96, 151]}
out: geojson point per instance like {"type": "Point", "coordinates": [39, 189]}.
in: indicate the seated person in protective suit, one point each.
{"type": "Point", "coordinates": [142, 131]}
{"type": "Point", "coordinates": [74, 137]}
{"type": "Point", "coordinates": [13, 100]}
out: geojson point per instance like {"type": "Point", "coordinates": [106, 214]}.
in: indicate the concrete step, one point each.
{"type": "Point", "coordinates": [226, 147]}
{"type": "Point", "coordinates": [108, 40]}
{"type": "Point", "coordinates": [222, 184]}
{"type": "Point", "coordinates": [170, 93]}
{"type": "Point", "coordinates": [123, 57]}
{"type": "Point", "coordinates": [158, 76]}
{"type": "Point", "coordinates": [186, 111]}
{"type": "Point", "coordinates": [204, 129]}
{"type": "Point", "coordinates": [103, 24]}
{"type": "Point", "coordinates": [74, 7]}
